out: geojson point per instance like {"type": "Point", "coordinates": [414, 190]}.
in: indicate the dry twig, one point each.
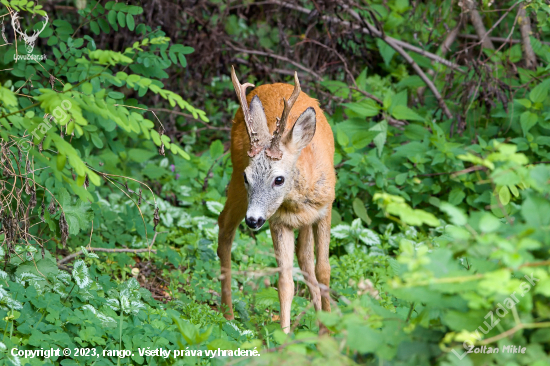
{"type": "Point", "coordinates": [107, 250]}
{"type": "Point", "coordinates": [525, 29]}
{"type": "Point", "coordinates": [371, 30]}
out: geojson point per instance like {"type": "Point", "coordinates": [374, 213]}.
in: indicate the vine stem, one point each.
{"type": "Point", "coordinates": [109, 250]}
{"type": "Point", "coordinates": [513, 330]}
{"type": "Point", "coordinates": [478, 276]}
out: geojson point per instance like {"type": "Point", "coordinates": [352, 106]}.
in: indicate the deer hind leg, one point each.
{"type": "Point", "coordinates": [306, 260]}
{"type": "Point", "coordinates": [230, 218]}
{"type": "Point", "coordinates": [321, 231]}
{"type": "Point", "coordinates": [283, 242]}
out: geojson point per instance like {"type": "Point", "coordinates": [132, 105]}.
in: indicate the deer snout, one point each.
{"type": "Point", "coordinates": [254, 223]}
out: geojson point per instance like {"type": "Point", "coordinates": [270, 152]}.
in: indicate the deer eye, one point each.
{"type": "Point", "coordinates": [245, 180]}
{"type": "Point", "coordinates": [279, 181]}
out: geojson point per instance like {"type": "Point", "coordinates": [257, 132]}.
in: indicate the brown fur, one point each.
{"type": "Point", "coordinates": [307, 207]}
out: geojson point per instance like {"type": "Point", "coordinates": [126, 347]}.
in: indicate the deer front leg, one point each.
{"type": "Point", "coordinates": [306, 260]}
{"type": "Point", "coordinates": [232, 214]}
{"type": "Point", "coordinates": [321, 231]}
{"type": "Point", "coordinates": [225, 239]}
{"type": "Point", "coordinates": [283, 241]}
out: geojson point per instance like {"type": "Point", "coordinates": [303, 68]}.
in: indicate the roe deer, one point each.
{"type": "Point", "coordinates": [282, 150]}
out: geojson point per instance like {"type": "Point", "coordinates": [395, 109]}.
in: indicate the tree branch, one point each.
{"type": "Point", "coordinates": [422, 75]}
{"type": "Point", "coordinates": [282, 58]}
{"type": "Point", "coordinates": [511, 331]}
{"type": "Point", "coordinates": [477, 22]}
{"type": "Point", "coordinates": [114, 250]}
{"type": "Point", "coordinates": [525, 29]}
{"type": "Point", "coordinates": [107, 250]}
{"type": "Point", "coordinates": [371, 30]}
{"type": "Point", "coordinates": [497, 39]}
{"type": "Point", "coordinates": [443, 49]}
{"type": "Point", "coordinates": [449, 40]}
{"type": "Point", "coordinates": [393, 43]}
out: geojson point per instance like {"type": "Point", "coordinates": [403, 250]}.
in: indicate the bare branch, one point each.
{"type": "Point", "coordinates": [278, 57]}
{"type": "Point", "coordinates": [371, 30]}
{"type": "Point", "coordinates": [477, 22]}
{"type": "Point", "coordinates": [443, 49]}
{"type": "Point", "coordinates": [497, 39]}
{"type": "Point", "coordinates": [107, 250]}
{"type": "Point", "coordinates": [525, 29]}
{"type": "Point", "coordinates": [449, 40]}
{"type": "Point", "coordinates": [422, 75]}
{"type": "Point", "coordinates": [393, 43]}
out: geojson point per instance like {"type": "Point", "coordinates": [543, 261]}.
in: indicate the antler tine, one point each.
{"type": "Point", "coordinates": [274, 150]}
{"type": "Point", "coordinates": [46, 18]}
{"type": "Point", "coordinates": [255, 147]}
{"type": "Point", "coordinates": [36, 33]}
{"type": "Point", "coordinates": [15, 23]}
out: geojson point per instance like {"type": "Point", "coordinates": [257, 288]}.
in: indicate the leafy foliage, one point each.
{"type": "Point", "coordinates": [108, 209]}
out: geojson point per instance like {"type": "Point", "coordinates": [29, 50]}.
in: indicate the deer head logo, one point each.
{"type": "Point", "coordinates": [29, 40]}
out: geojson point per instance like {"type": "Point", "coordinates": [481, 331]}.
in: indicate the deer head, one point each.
{"type": "Point", "coordinates": [29, 40]}
{"type": "Point", "coordinates": [270, 174]}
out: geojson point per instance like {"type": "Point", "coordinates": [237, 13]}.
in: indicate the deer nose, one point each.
{"type": "Point", "coordinates": [254, 223]}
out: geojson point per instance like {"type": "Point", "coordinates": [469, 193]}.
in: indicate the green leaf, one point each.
{"type": "Point", "coordinates": [280, 337]}
{"type": "Point", "coordinates": [404, 112]}
{"type": "Point", "coordinates": [527, 121]}
{"type": "Point", "coordinates": [365, 108]}
{"type": "Point", "coordinates": [380, 139]}
{"type": "Point", "coordinates": [61, 160]}
{"type": "Point", "coordinates": [267, 297]}
{"type": "Point", "coordinates": [216, 149]}
{"type": "Point", "coordinates": [361, 211]}
{"type": "Point", "coordinates": [363, 339]}
{"type": "Point", "coordinates": [539, 93]}
{"type": "Point", "coordinates": [386, 51]}
{"type": "Point", "coordinates": [342, 137]}
{"type": "Point", "coordinates": [80, 274]}
{"type": "Point", "coordinates": [141, 155]}
{"type": "Point", "coordinates": [112, 17]}
{"type": "Point", "coordinates": [214, 207]}
{"type": "Point", "coordinates": [115, 95]}
{"type": "Point", "coordinates": [456, 196]}
{"type": "Point", "coordinates": [504, 195]}
{"type": "Point", "coordinates": [121, 19]}
{"type": "Point", "coordinates": [78, 215]}
{"type": "Point", "coordinates": [130, 22]}
{"type": "Point", "coordinates": [401, 178]}
{"type": "Point", "coordinates": [488, 223]}
{"type": "Point", "coordinates": [87, 88]}
{"type": "Point", "coordinates": [536, 211]}
{"type": "Point", "coordinates": [524, 102]}
{"type": "Point", "coordinates": [369, 237]}
{"type": "Point", "coordinates": [456, 215]}
{"type": "Point", "coordinates": [52, 41]}
{"type": "Point", "coordinates": [356, 132]}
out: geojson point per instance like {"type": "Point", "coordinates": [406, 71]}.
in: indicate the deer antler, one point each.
{"type": "Point", "coordinates": [274, 150]}
{"type": "Point", "coordinates": [255, 143]}
{"type": "Point", "coordinates": [36, 33]}
{"type": "Point", "coordinates": [29, 40]}
{"type": "Point", "coordinates": [16, 26]}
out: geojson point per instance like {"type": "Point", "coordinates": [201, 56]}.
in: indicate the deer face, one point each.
{"type": "Point", "coordinates": [273, 158]}
{"type": "Point", "coordinates": [268, 180]}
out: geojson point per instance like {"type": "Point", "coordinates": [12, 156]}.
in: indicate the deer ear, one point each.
{"type": "Point", "coordinates": [303, 130]}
